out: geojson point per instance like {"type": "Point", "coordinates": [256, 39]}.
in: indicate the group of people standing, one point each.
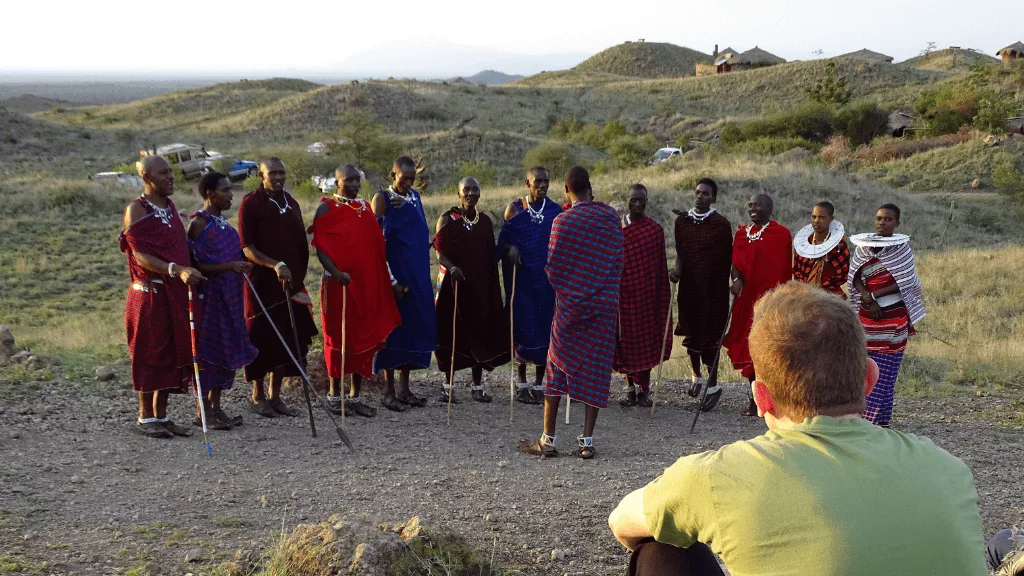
{"type": "Point", "coordinates": [586, 293]}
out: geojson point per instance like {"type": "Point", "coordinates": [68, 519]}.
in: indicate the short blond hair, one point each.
{"type": "Point", "coordinates": [808, 347]}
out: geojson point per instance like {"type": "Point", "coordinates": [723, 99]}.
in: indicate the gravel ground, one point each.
{"type": "Point", "coordinates": [84, 494]}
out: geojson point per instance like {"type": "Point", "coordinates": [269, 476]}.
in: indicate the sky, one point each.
{"type": "Point", "coordinates": [356, 38]}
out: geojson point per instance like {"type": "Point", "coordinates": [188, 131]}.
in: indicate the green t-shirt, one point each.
{"type": "Point", "coordinates": [827, 498]}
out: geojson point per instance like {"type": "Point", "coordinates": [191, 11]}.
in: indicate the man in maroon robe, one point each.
{"type": "Point", "coordinates": [465, 248]}
{"type": "Point", "coordinates": [156, 311]}
{"type": "Point", "coordinates": [644, 305]}
{"type": "Point", "coordinates": [762, 258]}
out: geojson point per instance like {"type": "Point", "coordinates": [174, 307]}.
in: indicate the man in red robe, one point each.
{"type": "Point", "coordinates": [156, 311]}
{"type": "Point", "coordinates": [762, 258]}
{"type": "Point", "coordinates": [465, 248]}
{"type": "Point", "coordinates": [357, 305]}
{"type": "Point", "coordinates": [643, 300]}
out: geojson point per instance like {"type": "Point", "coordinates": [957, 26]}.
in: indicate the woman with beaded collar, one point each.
{"type": "Point", "coordinates": [820, 254]}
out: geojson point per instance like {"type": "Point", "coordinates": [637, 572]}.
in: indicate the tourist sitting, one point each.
{"type": "Point", "coordinates": [823, 491]}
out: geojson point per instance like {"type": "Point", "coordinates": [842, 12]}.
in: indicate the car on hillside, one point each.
{"type": "Point", "coordinates": [191, 158]}
{"type": "Point", "coordinates": [122, 179]}
{"type": "Point", "coordinates": [664, 155]}
{"type": "Point", "coordinates": [238, 169]}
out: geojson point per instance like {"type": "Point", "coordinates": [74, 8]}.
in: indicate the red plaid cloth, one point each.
{"type": "Point", "coordinates": [585, 269]}
{"type": "Point", "coordinates": [830, 271]}
{"type": "Point", "coordinates": [156, 310]}
{"type": "Point", "coordinates": [643, 299]}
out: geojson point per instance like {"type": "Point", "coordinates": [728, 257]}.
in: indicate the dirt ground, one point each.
{"type": "Point", "coordinates": [84, 494]}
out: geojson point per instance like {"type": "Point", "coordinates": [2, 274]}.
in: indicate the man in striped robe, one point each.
{"type": "Point", "coordinates": [585, 269]}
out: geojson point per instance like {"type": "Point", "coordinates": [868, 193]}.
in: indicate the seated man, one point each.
{"type": "Point", "coordinates": [823, 491]}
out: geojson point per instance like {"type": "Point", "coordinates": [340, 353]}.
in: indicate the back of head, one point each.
{"type": "Point", "coordinates": [808, 348]}
{"type": "Point", "coordinates": [403, 163]}
{"type": "Point", "coordinates": [208, 183]}
{"type": "Point", "coordinates": [577, 180]}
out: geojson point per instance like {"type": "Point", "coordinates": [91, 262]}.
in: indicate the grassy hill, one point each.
{"type": "Point", "coordinates": [30, 104]}
{"type": "Point", "coordinates": [950, 60]}
{"type": "Point", "coordinates": [493, 78]}
{"type": "Point", "coordinates": [35, 142]}
{"type": "Point", "coordinates": [645, 60]}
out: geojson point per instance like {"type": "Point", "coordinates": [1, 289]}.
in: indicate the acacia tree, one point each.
{"type": "Point", "coordinates": [363, 142]}
{"type": "Point", "coordinates": [831, 88]}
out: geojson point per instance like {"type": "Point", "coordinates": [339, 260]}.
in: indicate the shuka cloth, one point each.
{"type": "Point", "coordinates": [888, 334]}
{"type": "Point", "coordinates": [704, 249]}
{"type": "Point", "coordinates": [533, 307]}
{"type": "Point", "coordinates": [280, 236]}
{"type": "Point", "coordinates": [348, 234]}
{"type": "Point", "coordinates": [898, 260]}
{"type": "Point", "coordinates": [879, 402]}
{"type": "Point", "coordinates": [481, 323]}
{"type": "Point", "coordinates": [407, 240]}
{"type": "Point", "coordinates": [764, 263]}
{"type": "Point", "coordinates": [643, 299]}
{"type": "Point", "coordinates": [222, 339]}
{"type": "Point", "coordinates": [585, 269]}
{"type": "Point", "coordinates": [828, 272]}
{"type": "Point", "coordinates": [156, 311]}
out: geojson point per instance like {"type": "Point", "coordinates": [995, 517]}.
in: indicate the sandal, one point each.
{"type": "Point", "coordinates": [630, 400]}
{"type": "Point", "coordinates": [525, 396]}
{"type": "Point", "coordinates": [538, 448]}
{"type": "Point", "coordinates": [643, 399]}
{"type": "Point", "coordinates": [695, 386]}
{"type": "Point", "coordinates": [392, 403]}
{"type": "Point", "coordinates": [235, 421]}
{"type": "Point", "coordinates": [360, 409]}
{"type": "Point", "coordinates": [711, 398]}
{"type": "Point", "coordinates": [538, 394]}
{"type": "Point", "coordinates": [263, 409]}
{"type": "Point", "coordinates": [175, 429]}
{"type": "Point", "coordinates": [334, 406]}
{"type": "Point", "coordinates": [281, 408]}
{"type": "Point", "coordinates": [481, 395]}
{"type": "Point", "coordinates": [751, 409]}
{"type": "Point", "coordinates": [412, 400]}
{"type": "Point", "coordinates": [212, 422]}
{"type": "Point", "coordinates": [446, 397]}
{"type": "Point", "coordinates": [586, 449]}
{"type": "Point", "coordinates": [152, 429]}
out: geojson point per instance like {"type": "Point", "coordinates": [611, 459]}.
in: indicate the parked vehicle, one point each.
{"type": "Point", "coordinates": [192, 158]}
{"type": "Point", "coordinates": [122, 179]}
{"type": "Point", "coordinates": [664, 155]}
{"type": "Point", "coordinates": [239, 169]}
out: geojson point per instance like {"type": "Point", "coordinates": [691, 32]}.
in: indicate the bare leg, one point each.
{"type": "Point", "coordinates": [258, 395]}
{"type": "Point", "coordinates": [694, 361]}
{"type": "Point", "coordinates": [275, 386]}
{"type": "Point", "coordinates": [389, 384]}
{"type": "Point", "coordinates": [214, 398]}
{"type": "Point", "coordinates": [589, 420]}
{"type": "Point", "coordinates": [478, 375]}
{"type": "Point", "coordinates": [522, 372]}
{"type": "Point", "coordinates": [539, 377]}
{"type": "Point", "coordinates": [274, 396]}
{"type": "Point", "coordinates": [334, 387]}
{"type": "Point", "coordinates": [160, 398]}
{"type": "Point", "coordinates": [403, 382]}
{"type": "Point", "coordinates": [356, 386]}
{"type": "Point", "coordinates": [146, 405]}
{"type": "Point", "coordinates": [751, 406]}
{"type": "Point", "coordinates": [551, 414]}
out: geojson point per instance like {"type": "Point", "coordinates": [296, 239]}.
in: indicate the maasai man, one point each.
{"type": "Point", "coordinates": [585, 269]}
{"type": "Point", "coordinates": [820, 254]}
{"type": "Point", "coordinates": [762, 258]}
{"type": "Point", "coordinates": [399, 211]}
{"type": "Point", "coordinates": [644, 304]}
{"type": "Point", "coordinates": [156, 313]}
{"type": "Point", "coordinates": [356, 282]}
{"type": "Point", "coordinates": [465, 248]}
{"type": "Point", "coordinates": [886, 293]}
{"type": "Point", "coordinates": [703, 262]}
{"type": "Point", "coordinates": [524, 238]}
{"type": "Point", "coordinates": [222, 340]}
{"type": "Point", "coordinates": [274, 239]}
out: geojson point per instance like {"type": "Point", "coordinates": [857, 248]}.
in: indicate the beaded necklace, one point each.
{"type": "Point", "coordinates": [355, 204]}
{"type": "Point", "coordinates": [697, 217]}
{"type": "Point", "coordinates": [536, 215]}
{"type": "Point", "coordinates": [470, 223]}
{"type": "Point", "coordinates": [164, 214]}
{"type": "Point", "coordinates": [757, 236]}
{"type": "Point", "coordinates": [220, 221]}
{"type": "Point", "coordinates": [280, 210]}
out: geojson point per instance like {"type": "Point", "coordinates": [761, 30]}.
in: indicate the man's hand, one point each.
{"type": "Point", "coordinates": [457, 274]}
{"type": "Point", "coordinates": [344, 279]}
{"type": "Point", "coordinates": [190, 276]}
{"type": "Point", "coordinates": [284, 275]}
{"type": "Point", "coordinates": [515, 256]}
{"type": "Point", "coordinates": [673, 276]}
{"type": "Point", "coordinates": [240, 267]}
{"type": "Point", "coordinates": [736, 288]}
{"type": "Point", "coordinates": [400, 291]}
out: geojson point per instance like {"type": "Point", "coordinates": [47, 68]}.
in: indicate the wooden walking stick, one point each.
{"type": "Point", "coordinates": [451, 370]}
{"type": "Point", "coordinates": [512, 348]}
{"type": "Point", "coordinates": [714, 367]}
{"type": "Point", "coordinates": [295, 334]}
{"type": "Point", "coordinates": [344, 302]}
{"type": "Point", "coordinates": [664, 342]}
{"type": "Point", "coordinates": [195, 367]}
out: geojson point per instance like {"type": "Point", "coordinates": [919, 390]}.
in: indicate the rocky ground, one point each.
{"type": "Point", "coordinates": [81, 493]}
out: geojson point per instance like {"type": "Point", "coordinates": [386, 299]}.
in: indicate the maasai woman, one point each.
{"type": "Point", "coordinates": [222, 339]}
{"type": "Point", "coordinates": [886, 292]}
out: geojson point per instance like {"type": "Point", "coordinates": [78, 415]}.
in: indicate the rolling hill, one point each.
{"type": "Point", "coordinates": [645, 60]}
{"type": "Point", "coordinates": [492, 78]}
{"type": "Point", "coordinates": [950, 60]}
{"type": "Point", "coordinates": [30, 104]}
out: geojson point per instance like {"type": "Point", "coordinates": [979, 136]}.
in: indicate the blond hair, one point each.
{"type": "Point", "coordinates": [808, 347]}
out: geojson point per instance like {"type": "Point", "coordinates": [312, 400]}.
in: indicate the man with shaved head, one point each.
{"type": "Point", "coordinates": [156, 311]}
{"type": "Point", "coordinates": [357, 308]}
{"type": "Point", "coordinates": [762, 258]}
{"type": "Point", "coordinates": [465, 248]}
{"type": "Point", "coordinates": [274, 239]}
{"type": "Point", "coordinates": [523, 245]}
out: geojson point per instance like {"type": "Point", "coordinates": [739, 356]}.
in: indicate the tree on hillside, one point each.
{"type": "Point", "coordinates": [831, 88]}
{"type": "Point", "coordinates": [364, 143]}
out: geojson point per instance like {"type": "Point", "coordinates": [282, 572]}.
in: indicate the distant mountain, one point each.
{"type": "Point", "coordinates": [492, 78]}
{"type": "Point", "coordinates": [30, 104]}
{"type": "Point", "coordinates": [645, 60]}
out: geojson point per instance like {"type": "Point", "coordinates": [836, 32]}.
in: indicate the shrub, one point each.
{"type": "Point", "coordinates": [481, 170]}
{"type": "Point", "coordinates": [992, 114]}
{"type": "Point", "coordinates": [772, 146]}
{"type": "Point", "coordinates": [812, 122]}
{"type": "Point", "coordinates": [862, 122]}
{"type": "Point", "coordinates": [835, 150]}
{"type": "Point", "coordinates": [949, 108]}
{"type": "Point", "coordinates": [364, 143]}
{"type": "Point", "coordinates": [251, 183]}
{"type": "Point", "coordinates": [886, 149]}
{"type": "Point", "coordinates": [831, 88]}
{"type": "Point", "coordinates": [1007, 176]}
{"type": "Point", "coordinates": [631, 151]}
{"type": "Point", "coordinates": [429, 113]}
{"type": "Point", "coordinates": [557, 157]}
{"type": "Point", "coordinates": [305, 189]}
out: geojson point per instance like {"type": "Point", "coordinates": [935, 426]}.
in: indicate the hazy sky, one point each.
{"type": "Point", "coordinates": [431, 38]}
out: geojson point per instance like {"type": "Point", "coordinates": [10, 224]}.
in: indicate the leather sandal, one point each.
{"type": "Point", "coordinates": [235, 421]}
{"type": "Point", "coordinates": [586, 449]}
{"type": "Point", "coordinates": [446, 397]}
{"type": "Point", "coordinates": [537, 448]}
{"type": "Point", "coordinates": [360, 409]}
{"type": "Point", "coordinates": [643, 399]}
{"type": "Point", "coordinates": [525, 396]}
{"type": "Point", "coordinates": [481, 395]}
{"type": "Point", "coordinates": [212, 422]}
{"type": "Point", "coordinates": [175, 429]}
{"type": "Point", "coordinates": [263, 409]}
{"type": "Point", "coordinates": [695, 386]}
{"type": "Point", "coordinates": [152, 430]}
{"type": "Point", "coordinates": [411, 400]}
{"type": "Point", "coordinates": [392, 403]}
{"type": "Point", "coordinates": [629, 400]}
{"type": "Point", "coordinates": [712, 397]}
{"type": "Point", "coordinates": [281, 408]}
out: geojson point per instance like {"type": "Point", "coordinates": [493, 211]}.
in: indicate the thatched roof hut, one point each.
{"type": "Point", "coordinates": [754, 58]}
{"type": "Point", "coordinates": [899, 122]}
{"type": "Point", "coordinates": [1011, 52]}
{"type": "Point", "coordinates": [866, 54]}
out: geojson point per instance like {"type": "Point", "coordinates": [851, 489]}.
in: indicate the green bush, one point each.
{"type": "Point", "coordinates": [1007, 176]}
{"type": "Point", "coordinates": [307, 190]}
{"type": "Point", "coordinates": [772, 146]}
{"type": "Point", "coordinates": [557, 157]}
{"type": "Point", "coordinates": [862, 122]}
{"type": "Point", "coordinates": [992, 114]}
{"type": "Point", "coordinates": [481, 170]}
{"type": "Point", "coordinates": [947, 109]}
{"type": "Point", "coordinates": [251, 183]}
{"type": "Point", "coordinates": [812, 121]}
{"type": "Point", "coordinates": [830, 88]}
{"type": "Point", "coordinates": [365, 144]}
{"type": "Point", "coordinates": [632, 151]}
